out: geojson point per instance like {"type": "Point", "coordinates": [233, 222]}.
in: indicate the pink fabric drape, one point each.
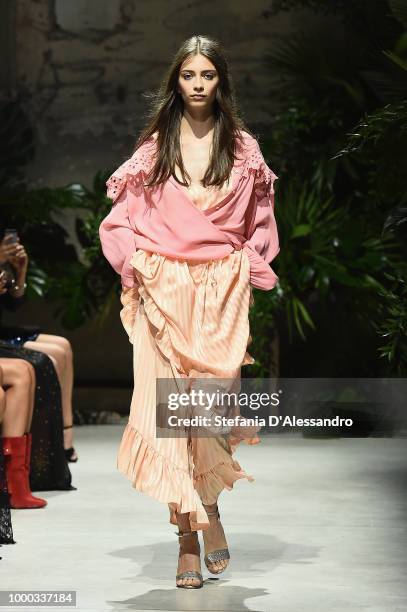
{"type": "Point", "coordinates": [163, 219]}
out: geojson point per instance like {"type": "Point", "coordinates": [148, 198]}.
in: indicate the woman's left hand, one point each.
{"type": "Point", "coordinates": [19, 259]}
{"type": "Point", "coordinates": [3, 282]}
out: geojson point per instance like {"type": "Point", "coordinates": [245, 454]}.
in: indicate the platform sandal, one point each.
{"type": "Point", "coordinates": [70, 451]}
{"type": "Point", "coordinates": [216, 555]}
{"type": "Point", "coordinates": [189, 573]}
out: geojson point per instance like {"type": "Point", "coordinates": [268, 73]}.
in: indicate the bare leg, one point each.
{"type": "Point", "coordinates": [19, 380]}
{"type": "Point", "coordinates": [60, 351]}
{"type": "Point", "coordinates": [189, 552]}
{"type": "Point", "coordinates": [67, 385]}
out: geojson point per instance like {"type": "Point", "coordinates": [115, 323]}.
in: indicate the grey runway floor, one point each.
{"type": "Point", "coordinates": [322, 528]}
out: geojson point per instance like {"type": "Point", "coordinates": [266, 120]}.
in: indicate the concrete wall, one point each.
{"type": "Point", "coordinates": [86, 63]}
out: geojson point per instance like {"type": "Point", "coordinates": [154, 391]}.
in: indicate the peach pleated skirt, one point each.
{"type": "Point", "coordinates": [185, 319]}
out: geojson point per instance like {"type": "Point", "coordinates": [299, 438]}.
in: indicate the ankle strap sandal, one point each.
{"type": "Point", "coordinates": [69, 452]}
{"type": "Point", "coordinates": [217, 555]}
{"type": "Point", "coordinates": [189, 573]}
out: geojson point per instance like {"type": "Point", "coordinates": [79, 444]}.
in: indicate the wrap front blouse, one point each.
{"type": "Point", "coordinates": [165, 220]}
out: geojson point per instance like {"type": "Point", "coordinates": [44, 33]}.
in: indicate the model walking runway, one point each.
{"type": "Point", "coordinates": [188, 253]}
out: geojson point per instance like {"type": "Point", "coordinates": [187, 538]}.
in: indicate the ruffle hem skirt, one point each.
{"type": "Point", "coordinates": [185, 320]}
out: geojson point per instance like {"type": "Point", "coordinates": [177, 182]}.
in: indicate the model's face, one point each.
{"type": "Point", "coordinates": [198, 76]}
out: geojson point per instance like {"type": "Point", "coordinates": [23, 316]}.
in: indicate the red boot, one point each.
{"type": "Point", "coordinates": [14, 449]}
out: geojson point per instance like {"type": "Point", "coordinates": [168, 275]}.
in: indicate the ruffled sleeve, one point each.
{"type": "Point", "coordinates": [261, 233]}
{"type": "Point", "coordinates": [131, 173]}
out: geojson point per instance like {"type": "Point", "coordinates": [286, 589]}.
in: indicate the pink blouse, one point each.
{"type": "Point", "coordinates": [164, 219]}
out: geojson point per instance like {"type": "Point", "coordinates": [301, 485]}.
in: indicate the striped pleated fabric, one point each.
{"type": "Point", "coordinates": [186, 321]}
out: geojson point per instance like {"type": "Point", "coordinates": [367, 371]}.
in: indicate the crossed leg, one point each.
{"type": "Point", "coordinates": [59, 350]}
{"type": "Point", "coordinates": [19, 383]}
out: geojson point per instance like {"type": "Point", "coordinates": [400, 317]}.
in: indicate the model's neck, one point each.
{"type": "Point", "coordinates": [198, 124]}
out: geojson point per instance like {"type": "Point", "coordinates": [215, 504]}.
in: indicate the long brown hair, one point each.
{"type": "Point", "coordinates": [167, 110]}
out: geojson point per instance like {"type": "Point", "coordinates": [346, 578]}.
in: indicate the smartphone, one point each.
{"type": "Point", "coordinates": [11, 236]}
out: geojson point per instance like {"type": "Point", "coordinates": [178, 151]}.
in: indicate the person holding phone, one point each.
{"type": "Point", "coordinates": [51, 444]}
{"type": "Point", "coordinates": [14, 260]}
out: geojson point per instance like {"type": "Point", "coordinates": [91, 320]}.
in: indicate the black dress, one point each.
{"type": "Point", "coordinates": [49, 467]}
{"type": "Point", "coordinates": [16, 335]}
{"type": "Point", "coordinates": [6, 528]}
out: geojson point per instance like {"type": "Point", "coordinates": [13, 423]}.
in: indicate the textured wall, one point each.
{"type": "Point", "coordinates": [87, 63]}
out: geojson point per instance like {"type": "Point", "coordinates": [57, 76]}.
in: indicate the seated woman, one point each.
{"type": "Point", "coordinates": [19, 386]}
{"type": "Point", "coordinates": [49, 464]}
{"type": "Point", "coordinates": [58, 349]}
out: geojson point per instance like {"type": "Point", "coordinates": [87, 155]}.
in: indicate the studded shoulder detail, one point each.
{"type": "Point", "coordinates": [255, 163]}
{"type": "Point", "coordinates": [132, 171]}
